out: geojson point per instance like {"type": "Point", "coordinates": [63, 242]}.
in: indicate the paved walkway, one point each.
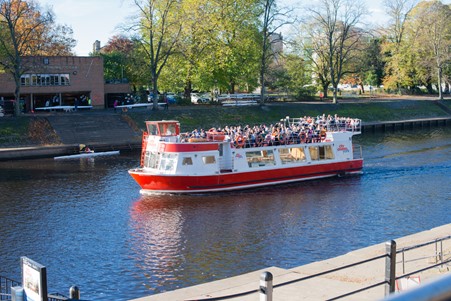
{"type": "Point", "coordinates": [329, 285]}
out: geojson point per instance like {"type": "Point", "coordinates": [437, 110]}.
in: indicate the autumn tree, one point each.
{"type": "Point", "coordinates": [26, 30]}
{"type": "Point", "coordinates": [159, 28]}
{"type": "Point", "coordinates": [117, 58]}
{"type": "Point", "coordinates": [334, 23]}
{"type": "Point", "coordinates": [394, 46]}
{"type": "Point", "coordinates": [433, 37]}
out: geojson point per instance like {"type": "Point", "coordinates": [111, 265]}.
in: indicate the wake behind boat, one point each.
{"type": "Point", "coordinates": [87, 155]}
{"type": "Point", "coordinates": [295, 149]}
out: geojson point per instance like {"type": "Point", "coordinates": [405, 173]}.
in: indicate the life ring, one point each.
{"type": "Point", "coordinates": [240, 141]}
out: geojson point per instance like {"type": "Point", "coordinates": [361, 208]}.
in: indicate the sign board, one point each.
{"type": "Point", "coordinates": [34, 280]}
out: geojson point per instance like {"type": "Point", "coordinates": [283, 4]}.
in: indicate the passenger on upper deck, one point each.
{"type": "Point", "coordinates": [306, 130]}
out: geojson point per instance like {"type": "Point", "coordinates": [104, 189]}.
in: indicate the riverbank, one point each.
{"type": "Point", "coordinates": [330, 285]}
{"type": "Point", "coordinates": [36, 135]}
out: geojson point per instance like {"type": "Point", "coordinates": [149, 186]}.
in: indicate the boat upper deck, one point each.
{"type": "Point", "coordinates": [287, 131]}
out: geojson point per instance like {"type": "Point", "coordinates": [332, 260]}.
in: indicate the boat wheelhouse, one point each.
{"type": "Point", "coordinates": [173, 162]}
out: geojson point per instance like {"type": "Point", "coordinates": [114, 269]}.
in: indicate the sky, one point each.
{"type": "Point", "coordinates": [93, 20]}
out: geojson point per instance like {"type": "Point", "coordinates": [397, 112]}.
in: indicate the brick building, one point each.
{"type": "Point", "coordinates": [60, 80]}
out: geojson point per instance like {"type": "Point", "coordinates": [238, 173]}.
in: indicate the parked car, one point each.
{"type": "Point", "coordinates": [171, 98]}
{"type": "Point", "coordinates": [200, 98]}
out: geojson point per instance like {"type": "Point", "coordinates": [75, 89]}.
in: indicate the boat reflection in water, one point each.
{"type": "Point", "coordinates": [157, 231]}
{"type": "Point", "coordinates": [185, 240]}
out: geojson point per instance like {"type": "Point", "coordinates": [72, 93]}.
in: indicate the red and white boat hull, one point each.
{"type": "Point", "coordinates": [152, 183]}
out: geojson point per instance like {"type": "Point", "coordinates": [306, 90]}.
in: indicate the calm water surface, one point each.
{"type": "Point", "coordinates": [87, 223]}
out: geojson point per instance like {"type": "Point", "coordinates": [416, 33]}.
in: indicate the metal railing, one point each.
{"type": "Point", "coordinates": [5, 287]}
{"type": "Point", "coordinates": [390, 273]}
{"type": "Point", "coordinates": [438, 257]}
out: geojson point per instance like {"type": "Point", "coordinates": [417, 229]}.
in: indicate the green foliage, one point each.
{"type": "Point", "coordinates": [414, 58]}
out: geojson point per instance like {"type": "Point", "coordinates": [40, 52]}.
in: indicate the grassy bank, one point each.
{"type": "Point", "coordinates": [209, 116]}
{"type": "Point", "coordinates": [32, 130]}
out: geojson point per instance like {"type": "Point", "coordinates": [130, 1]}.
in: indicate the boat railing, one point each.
{"type": "Point", "coordinates": [340, 125]}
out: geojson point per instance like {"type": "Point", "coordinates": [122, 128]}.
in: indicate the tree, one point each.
{"type": "Point", "coordinates": [159, 29]}
{"type": "Point", "coordinates": [398, 11]}
{"type": "Point", "coordinates": [26, 30]}
{"type": "Point", "coordinates": [272, 19]}
{"type": "Point", "coordinates": [233, 59]}
{"type": "Point", "coordinates": [434, 37]}
{"type": "Point", "coordinates": [297, 72]}
{"type": "Point", "coordinates": [335, 24]}
{"type": "Point", "coordinates": [394, 47]}
{"type": "Point", "coordinates": [192, 64]}
{"type": "Point", "coordinates": [117, 54]}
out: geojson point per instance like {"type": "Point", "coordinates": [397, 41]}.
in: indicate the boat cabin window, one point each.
{"type": "Point", "coordinates": [260, 158]}
{"type": "Point", "coordinates": [152, 129]}
{"type": "Point", "coordinates": [326, 152]}
{"type": "Point", "coordinates": [171, 128]}
{"type": "Point", "coordinates": [314, 154]}
{"type": "Point", "coordinates": [187, 161]}
{"type": "Point", "coordinates": [167, 129]}
{"type": "Point", "coordinates": [321, 152]}
{"type": "Point", "coordinates": [209, 159]}
{"type": "Point", "coordinates": [289, 155]}
{"type": "Point", "coordinates": [168, 161]}
{"type": "Point", "coordinates": [151, 160]}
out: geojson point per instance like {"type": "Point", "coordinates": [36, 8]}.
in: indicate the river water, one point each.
{"type": "Point", "coordinates": [87, 223]}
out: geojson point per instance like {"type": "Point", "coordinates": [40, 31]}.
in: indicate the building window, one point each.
{"type": "Point", "coordinates": [46, 61]}
{"type": "Point", "coordinates": [45, 80]}
{"type": "Point", "coordinates": [25, 80]}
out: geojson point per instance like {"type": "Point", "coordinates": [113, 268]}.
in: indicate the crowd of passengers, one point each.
{"type": "Point", "coordinates": [304, 130]}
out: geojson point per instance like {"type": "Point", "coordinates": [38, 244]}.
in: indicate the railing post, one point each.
{"type": "Point", "coordinates": [17, 293]}
{"type": "Point", "coordinates": [390, 267]}
{"type": "Point", "coordinates": [74, 293]}
{"type": "Point", "coordinates": [266, 286]}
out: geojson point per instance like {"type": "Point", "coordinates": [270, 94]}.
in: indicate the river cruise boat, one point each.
{"type": "Point", "coordinates": [232, 158]}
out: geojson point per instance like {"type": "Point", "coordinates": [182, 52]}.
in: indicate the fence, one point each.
{"type": "Point", "coordinates": [266, 288]}
{"type": "Point", "coordinates": [7, 284]}
{"type": "Point", "coordinates": [5, 287]}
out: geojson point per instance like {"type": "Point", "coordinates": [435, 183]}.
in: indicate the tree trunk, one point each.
{"type": "Point", "coordinates": [429, 88]}
{"type": "Point", "coordinates": [440, 95]}
{"type": "Point", "coordinates": [17, 99]}
{"type": "Point", "coordinates": [334, 99]}
{"type": "Point", "coordinates": [232, 87]}
{"type": "Point", "coordinates": [325, 90]}
{"type": "Point", "coordinates": [188, 89]}
{"type": "Point", "coordinates": [262, 90]}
